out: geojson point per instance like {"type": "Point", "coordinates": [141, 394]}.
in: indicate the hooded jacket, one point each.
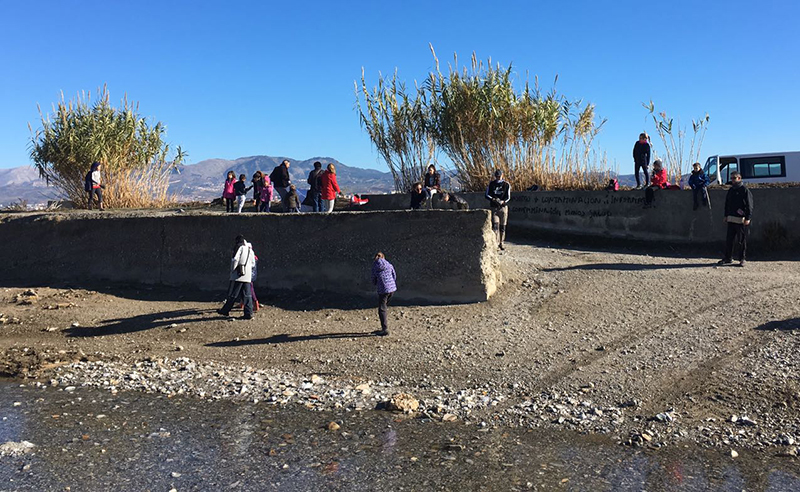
{"type": "Point", "coordinates": [659, 178]}
{"type": "Point", "coordinates": [383, 276]}
{"type": "Point", "coordinates": [698, 179]}
{"type": "Point", "coordinates": [244, 256]}
{"type": "Point", "coordinates": [293, 199]}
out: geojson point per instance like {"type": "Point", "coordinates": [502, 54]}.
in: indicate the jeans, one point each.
{"type": "Point", "coordinates": [316, 201]}
{"type": "Point", "coordinates": [229, 205]}
{"type": "Point", "coordinates": [383, 310]}
{"type": "Point", "coordinates": [263, 207]}
{"type": "Point", "coordinates": [240, 200]}
{"type": "Point", "coordinates": [499, 222]}
{"type": "Point", "coordinates": [327, 205]}
{"type": "Point", "coordinates": [644, 168]}
{"type": "Point", "coordinates": [737, 236]}
{"type": "Point", "coordinates": [700, 194]}
{"type": "Point", "coordinates": [239, 291]}
{"type": "Point", "coordinates": [99, 193]}
{"type": "Point", "coordinates": [282, 192]}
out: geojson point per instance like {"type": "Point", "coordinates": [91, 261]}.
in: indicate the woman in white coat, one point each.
{"type": "Point", "coordinates": [241, 275]}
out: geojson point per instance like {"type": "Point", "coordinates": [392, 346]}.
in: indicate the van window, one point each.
{"type": "Point", "coordinates": [727, 165]}
{"type": "Point", "coordinates": [711, 168]}
{"type": "Point", "coordinates": [764, 167]}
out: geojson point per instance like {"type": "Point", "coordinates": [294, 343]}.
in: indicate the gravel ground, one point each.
{"type": "Point", "coordinates": [649, 350]}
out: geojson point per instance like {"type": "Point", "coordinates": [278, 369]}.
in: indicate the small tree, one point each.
{"type": "Point", "coordinates": [673, 136]}
{"type": "Point", "coordinates": [136, 171]}
{"type": "Point", "coordinates": [397, 125]}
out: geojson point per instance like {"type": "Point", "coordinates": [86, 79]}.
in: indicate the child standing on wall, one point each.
{"type": "Point", "coordinates": [698, 181]}
{"type": "Point", "coordinates": [292, 201]}
{"type": "Point", "coordinates": [227, 192]}
{"type": "Point", "coordinates": [93, 185]}
{"type": "Point", "coordinates": [241, 189]}
{"type": "Point", "coordinates": [266, 195]}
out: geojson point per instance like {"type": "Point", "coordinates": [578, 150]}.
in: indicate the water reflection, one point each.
{"type": "Point", "coordinates": [90, 440]}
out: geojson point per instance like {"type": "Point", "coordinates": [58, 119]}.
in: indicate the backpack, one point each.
{"type": "Point", "coordinates": [87, 182]}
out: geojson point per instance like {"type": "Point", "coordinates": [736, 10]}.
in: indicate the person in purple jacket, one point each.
{"type": "Point", "coordinates": [385, 280]}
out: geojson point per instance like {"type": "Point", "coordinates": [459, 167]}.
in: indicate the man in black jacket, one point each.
{"type": "Point", "coordinates": [641, 158]}
{"type": "Point", "coordinates": [738, 209]}
{"type": "Point", "coordinates": [281, 181]}
{"type": "Point", "coordinates": [315, 191]}
{"type": "Point", "coordinates": [499, 194]}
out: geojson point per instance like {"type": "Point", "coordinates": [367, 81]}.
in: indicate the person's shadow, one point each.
{"type": "Point", "coordinates": [137, 323]}
{"type": "Point", "coordinates": [780, 325]}
{"type": "Point", "coordinates": [286, 338]}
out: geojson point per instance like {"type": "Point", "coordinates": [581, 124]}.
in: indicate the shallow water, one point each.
{"type": "Point", "coordinates": [92, 440]}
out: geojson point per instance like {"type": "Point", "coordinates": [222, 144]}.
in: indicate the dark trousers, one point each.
{"type": "Point", "coordinates": [644, 168]}
{"type": "Point", "coordinates": [229, 205]}
{"type": "Point", "coordinates": [650, 196]}
{"type": "Point", "coordinates": [316, 203]}
{"type": "Point", "coordinates": [96, 192]}
{"type": "Point", "coordinates": [383, 310]}
{"type": "Point", "coordinates": [737, 236]}
{"type": "Point", "coordinates": [257, 200]}
{"type": "Point", "coordinates": [263, 207]}
{"type": "Point", "coordinates": [239, 291]}
{"type": "Point", "coordinates": [700, 195]}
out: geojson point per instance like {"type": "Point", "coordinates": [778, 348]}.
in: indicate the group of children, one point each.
{"type": "Point", "coordinates": [698, 182]}
{"type": "Point", "coordinates": [235, 193]}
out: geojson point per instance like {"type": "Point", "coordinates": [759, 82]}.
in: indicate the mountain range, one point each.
{"type": "Point", "coordinates": [203, 181]}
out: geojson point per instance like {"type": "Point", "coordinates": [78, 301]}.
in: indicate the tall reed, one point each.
{"type": "Point", "coordinates": [81, 131]}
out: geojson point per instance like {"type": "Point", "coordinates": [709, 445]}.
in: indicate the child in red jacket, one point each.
{"type": "Point", "coordinates": [658, 180]}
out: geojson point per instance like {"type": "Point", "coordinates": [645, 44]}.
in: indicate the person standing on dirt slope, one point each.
{"type": "Point", "coordinates": [738, 210]}
{"type": "Point", "coordinates": [641, 159]}
{"type": "Point", "coordinates": [281, 180]}
{"type": "Point", "coordinates": [499, 194]}
{"type": "Point", "coordinates": [385, 280]}
{"type": "Point", "coordinates": [242, 265]}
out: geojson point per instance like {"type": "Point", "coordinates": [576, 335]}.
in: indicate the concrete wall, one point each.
{"type": "Point", "coordinates": [440, 257]}
{"type": "Point", "coordinates": [621, 214]}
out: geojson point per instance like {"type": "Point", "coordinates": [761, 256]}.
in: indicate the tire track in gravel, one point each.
{"type": "Point", "coordinates": [649, 329]}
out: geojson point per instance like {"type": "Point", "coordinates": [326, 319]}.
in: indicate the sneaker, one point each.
{"type": "Point", "coordinates": [502, 248]}
{"type": "Point", "coordinates": [741, 263]}
{"type": "Point", "coordinates": [223, 313]}
{"type": "Point", "coordinates": [724, 262]}
{"type": "Point", "coordinates": [246, 317]}
{"type": "Point", "coordinates": [381, 333]}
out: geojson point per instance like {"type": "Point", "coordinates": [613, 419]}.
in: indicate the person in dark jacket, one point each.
{"type": "Point", "coordinates": [240, 188]}
{"type": "Point", "coordinates": [698, 182]}
{"type": "Point", "coordinates": [384, 279]}
{"type": "Point", "coordinates": [258, 185]}
{"type": "Point", "coordinates": [499, 194]}
{"type": "Point", "coordinates": [292, 200]}
{"type": "Point", "coordinates": [432, 181]}
{"type": "Point", "coordinates": [738, 210]}
{"type": "Point", "coordinates": [641, 159]}
{"type": "Point", "coordinates": [454, 201]}
{"type": "Point", "coordinates": [315, 190]}
{"type": "Point", "coordinates": [418, 197]}
{"type": "Point", "coordinates": [93, 185]}
{"type": "Point", "coordinates": [281, 180]}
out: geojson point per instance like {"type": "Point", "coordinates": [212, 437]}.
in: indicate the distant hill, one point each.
{"type": "Point", "coordinates": [203, 181]}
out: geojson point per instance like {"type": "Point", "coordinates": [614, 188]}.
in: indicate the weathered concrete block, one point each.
{"type": "Point", "coordinates": [440, 257]}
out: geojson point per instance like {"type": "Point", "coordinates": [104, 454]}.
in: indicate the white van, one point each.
{"type": "Point", "coordinates": [772, 167]}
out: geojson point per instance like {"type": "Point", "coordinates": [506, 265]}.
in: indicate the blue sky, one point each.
{"type": "Point", "coordinates": [232, 79]}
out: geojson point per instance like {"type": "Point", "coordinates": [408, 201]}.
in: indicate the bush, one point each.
{"type": "Point", "coordinates": [136, 170]}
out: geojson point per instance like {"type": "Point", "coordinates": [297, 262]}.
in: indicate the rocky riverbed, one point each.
{"type": "Point", "coordinates": [647, 350]}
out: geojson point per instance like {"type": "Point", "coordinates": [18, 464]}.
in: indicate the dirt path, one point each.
{"type": "Point", "coordinates": [592, 341]}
